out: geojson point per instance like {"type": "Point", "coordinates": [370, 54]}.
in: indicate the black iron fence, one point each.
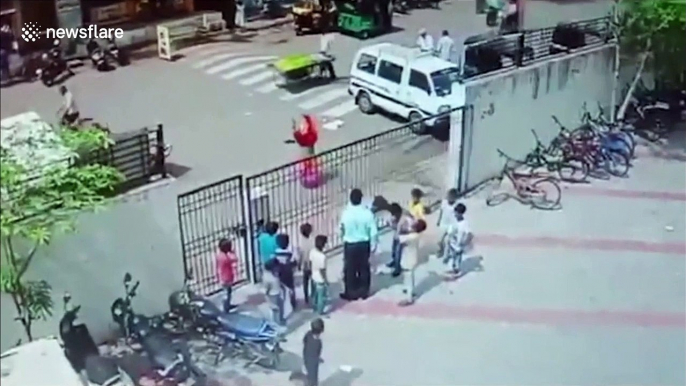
{"type": "Point", "coordinates": [138, 155]}
{"type": "Point", "coordinates": [485, 54]}
{"type": "Point", "coordinates": [206, 216]}
{"type": "Point", "coordinates": [314, 191]}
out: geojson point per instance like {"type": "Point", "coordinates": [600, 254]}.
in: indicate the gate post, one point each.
{"type": "Point", "coordinates": [256, 209]}
{"type": "Point", "coordinates": [455, 148]}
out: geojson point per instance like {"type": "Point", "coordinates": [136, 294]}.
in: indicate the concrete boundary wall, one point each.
{"type": "Point", "coordinates": [508, 105]}
{"type": "Point", "coordinates": [138, 233]}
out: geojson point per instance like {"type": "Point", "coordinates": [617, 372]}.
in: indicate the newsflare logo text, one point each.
{"type": "Point", "coordinates": [32, 32]}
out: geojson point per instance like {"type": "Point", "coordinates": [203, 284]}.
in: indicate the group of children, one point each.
{"type": "Point", "coordinates": [408, 226]}
{"type": "Point", "coordinates": [280, 262]}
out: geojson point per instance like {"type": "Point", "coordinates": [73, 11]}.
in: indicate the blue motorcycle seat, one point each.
{"type": "Point", "coordinates": [241, 323]}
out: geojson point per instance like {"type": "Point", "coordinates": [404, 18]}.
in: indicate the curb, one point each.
{"type": "Point", "coordinates": [273, 24]}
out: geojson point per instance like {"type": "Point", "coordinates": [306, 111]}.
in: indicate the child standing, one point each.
{"type": "Point", "coordinates": [411, 261]}
{"type": "Point", "coordinates": [226, 267]}
{"type": "Point", "coordinates": [305, 246]}
{"type": "Point", "coordinates": [416, 207]}
{"type": "Point", "coordinates": [274, 291]}
{"type": "Point", "coordinates": [459, 239]}
{"type": "Point", "coordinates": [446, 218]}
{"type": "Point", "coordinates": [319, 279]}
{"type": "Point", "coordinates": [402, 224]}
{"type": "Point", "coordinates": [286, 265]}
{"type": "Point", "coordinates": [312, 352]}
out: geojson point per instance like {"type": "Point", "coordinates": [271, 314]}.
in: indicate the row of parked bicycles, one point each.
{"type": "Point", "coordinates": [597, 149]}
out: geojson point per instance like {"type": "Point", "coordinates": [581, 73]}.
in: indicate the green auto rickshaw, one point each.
{"type": "Point", "coordinates": [365, 18]}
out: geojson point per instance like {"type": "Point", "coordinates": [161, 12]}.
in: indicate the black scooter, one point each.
{"type": "Point", "coordinates": [119, 55]}
{"type": "Point", "coordinates": [98, 57]}
{"type": "Point", "coordinates": [52, 69]}
{"type": "Point", "coordinates": [171, 359]}
{"type": "Point", "coordinates": [83, 354]}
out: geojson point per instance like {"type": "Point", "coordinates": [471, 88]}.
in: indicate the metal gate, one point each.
{"type": "Point", "coordinates": [207, 215]}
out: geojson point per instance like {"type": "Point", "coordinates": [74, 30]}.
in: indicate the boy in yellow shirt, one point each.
{"type": "Point", "coordinates": [416, 207]}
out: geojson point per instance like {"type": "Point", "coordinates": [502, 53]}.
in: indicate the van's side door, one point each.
{"type": "Point", "coordinates": [418, 92]}
{"type": "Point", "coordinates": [389, 77]}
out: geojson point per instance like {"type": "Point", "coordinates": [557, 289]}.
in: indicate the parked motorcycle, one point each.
{"type": "Point", "coordinates": [256, 338]}
{"type": "Point", "coordinates": [52, 69]}
{"type": "Point", "coordinates": [119, 55]}
{"type": "Point", "coordinates": [171, 359]}
{"type": "Point", "coordinates": [83, 355]}
{"type": "Point", "coordinates": [98, 57]}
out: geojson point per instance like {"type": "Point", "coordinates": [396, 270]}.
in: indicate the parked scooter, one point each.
{"type": "Point", "coordinates": [53, 65]}
{"type": "Point", "coordinates": [98, 57]}
{"type": "Point", "coordinates": [256, 338]}
{"type": "Point", "coordinates": [119, 55]}
{"type": "Point", "coordinates": [171, 360]}
{"type": "Point", "coordinates": [83, 354]}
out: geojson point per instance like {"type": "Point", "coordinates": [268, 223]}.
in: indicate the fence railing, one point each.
{"type": "Point", "coordinates": [394, 161]}
{"type": "Point", "coordinates": [314, 190]}
{"type": "Point", "coordinates": [206, 216]}
{"type": "Point", "coordinates": [137, 155]}
{"type": "Point", "coordinates": [483, 55]}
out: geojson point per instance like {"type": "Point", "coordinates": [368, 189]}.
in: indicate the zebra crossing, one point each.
{"type": "Point", "coordinates": [249, 70]}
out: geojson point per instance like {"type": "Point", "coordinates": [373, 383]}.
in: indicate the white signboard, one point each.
{"type": "Point", "coordinates": [163, 43]}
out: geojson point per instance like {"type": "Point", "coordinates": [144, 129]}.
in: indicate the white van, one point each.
{"type": "Point", "coordinates": [406, 82]}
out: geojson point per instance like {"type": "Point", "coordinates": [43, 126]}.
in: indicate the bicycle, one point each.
{"type": "Point", "coordinates": [598, 154]}
{"type": "Point", "coordinates": [538, 192]}
{"type": "Point", "coordinates": [597, 127]}
{"type": "Point", "coordinates": [571, 168]}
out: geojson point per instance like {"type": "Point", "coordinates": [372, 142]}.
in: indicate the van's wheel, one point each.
{"type": "Point", "coordinates": [416, 124]}
{"type": "Point", "coordinates": [365, 103]}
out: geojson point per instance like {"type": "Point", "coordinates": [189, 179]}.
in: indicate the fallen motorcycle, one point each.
{"type": "Point", "coordinates": [83, 355]}
{"type": "Point", "coordinates": [254, 338]}
{"type": "Point", "coordinates": [170, 358]}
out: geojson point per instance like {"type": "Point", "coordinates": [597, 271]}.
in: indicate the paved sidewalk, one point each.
{"type": "Point", "coordinates": [592, 294]}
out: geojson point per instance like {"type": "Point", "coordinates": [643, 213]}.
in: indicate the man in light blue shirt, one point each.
{"type": "Point", "coordinates": [360, 233]}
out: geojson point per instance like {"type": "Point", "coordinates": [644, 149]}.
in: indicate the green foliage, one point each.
{"type": "Point", "coordinates": [37, 204]}
{"type": "Point", "coordinates": [657, 27]}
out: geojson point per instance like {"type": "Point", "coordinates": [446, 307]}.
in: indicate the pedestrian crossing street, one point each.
{"type": "Point", "coordinates": [329, 102]}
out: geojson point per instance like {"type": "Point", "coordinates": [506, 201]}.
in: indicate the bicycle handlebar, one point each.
{"type": "Point", "coordinates": [562, 127]}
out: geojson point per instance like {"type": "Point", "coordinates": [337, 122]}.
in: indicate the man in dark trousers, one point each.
{"type": "Point", "coordinates": [359, 230]}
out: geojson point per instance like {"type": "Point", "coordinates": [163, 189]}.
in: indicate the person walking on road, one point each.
{"type": "Point", "coordinates": [359, 231]}
{"type": "Point", "coordinates": [444, 47]}
{"type": "Point", "coordinates": [287, 264]}
{"type": "Point", "coordinates": [425, 41]}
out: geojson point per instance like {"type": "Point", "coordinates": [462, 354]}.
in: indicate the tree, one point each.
{"type": "Point", "coordinates": [40, 201]}
{"type": "Point", "coordinates": [653, 32]}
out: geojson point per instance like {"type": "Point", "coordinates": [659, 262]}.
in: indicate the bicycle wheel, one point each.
{"type": "Point", "coordinates": [546, 194]}
{"type": "Point", "coordinates": [497, 199]}
{"type": "Point", "coordinates": [574, 170]}
{"type": "Point", "coordinates": [617, 164]}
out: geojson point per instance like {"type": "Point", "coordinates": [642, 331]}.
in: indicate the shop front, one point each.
{"type": "Point", "coordinates": [110, 12]}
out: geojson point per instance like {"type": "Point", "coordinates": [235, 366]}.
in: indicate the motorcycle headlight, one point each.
{"type": "Point", "coordinates": [443, 109]}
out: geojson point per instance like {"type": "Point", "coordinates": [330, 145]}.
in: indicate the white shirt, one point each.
{"type": "Point", "coordinates": [69, 103]}
{"type": "Point", "coordinates": [426, 43]}
{"type": "Point", "coordinates": [447, 215]}
{"type": "Point", "coordinates": [325, 43]}
{"type": "Point", "coordinates": [445, 47]}
{"type": "Point", "coordinates": [460, 238]}
{"type": "Point", "coordinates": [318, 261]}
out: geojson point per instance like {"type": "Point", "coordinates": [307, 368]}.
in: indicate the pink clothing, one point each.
{"type": "Point", "coordinates": [226, 265]}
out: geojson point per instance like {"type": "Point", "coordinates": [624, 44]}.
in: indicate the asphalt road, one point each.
{"type": "Point", "coordinates": [220, 107]}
